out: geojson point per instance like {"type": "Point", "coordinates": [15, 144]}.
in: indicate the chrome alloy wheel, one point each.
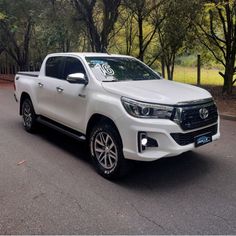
{"type": "Point", "coordinates": [105, 150]}
{"type": "Point", "coordinates": [27, 115]}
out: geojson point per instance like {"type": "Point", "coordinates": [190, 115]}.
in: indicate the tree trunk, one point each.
{"type": "Point", "coordinates": [228, 76]}
{"type": "Point", "coordinates": [228, 81]}
{"type": "Point", "coordinates": [163, 67]}
{"type": "Point", "coordinates": [168, 68]}
{"type": "Point", "coordinates": [170, 65]}
{"type": "Point", "coordinates": [140, 29]}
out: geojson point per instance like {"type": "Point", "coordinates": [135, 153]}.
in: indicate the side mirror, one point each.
{"type": "Point", "coordinates": [77, 78]}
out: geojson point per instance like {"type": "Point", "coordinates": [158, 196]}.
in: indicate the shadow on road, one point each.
{"type": "Point", "coordinates": [162, 174]}
{"type": "Point", "coordinates": [168, 173]}
{"type": "Point", "coordinates": [68, 144]}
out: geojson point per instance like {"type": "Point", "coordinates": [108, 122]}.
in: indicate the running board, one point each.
{"type": "Point", "coordinates": [61, 128]}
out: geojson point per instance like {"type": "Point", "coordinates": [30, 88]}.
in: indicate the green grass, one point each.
{"type": "Point", "coordinates": [189, 75]}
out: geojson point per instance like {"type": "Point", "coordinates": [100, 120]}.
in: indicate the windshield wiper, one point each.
{"type": "Point", "coordinates": [113, 80]}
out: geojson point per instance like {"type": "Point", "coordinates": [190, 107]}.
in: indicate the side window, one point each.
{"type": "Point", "coordinates": [73, 65]}
{"type": "Point", "coordinates": [53, 67]}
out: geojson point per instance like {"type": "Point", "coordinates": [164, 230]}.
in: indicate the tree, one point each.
{"type": "Point", "coordinates": [125, 33]}
{"type": "Point", "coordinates": [179, 18]}
{"type": "Point", "coordinates": [56, 27]}
{"type": "Point", "coordinates": [217, 32]}
{"type": "Point", "coordinates": [16, 23]}
{"type": "Point", "coordinates": [142, 11]}
{"type": "Point", "coordinates": [99, 17]}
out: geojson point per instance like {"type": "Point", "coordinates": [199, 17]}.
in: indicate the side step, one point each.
{"type": "Point", "coordinates": [61, 128]}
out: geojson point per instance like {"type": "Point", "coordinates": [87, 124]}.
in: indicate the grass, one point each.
{"type": "Point", "coordinates": [189, 75]}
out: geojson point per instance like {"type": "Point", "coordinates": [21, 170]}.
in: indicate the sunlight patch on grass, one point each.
{"type": "Point", "coordinates": [189, 75]}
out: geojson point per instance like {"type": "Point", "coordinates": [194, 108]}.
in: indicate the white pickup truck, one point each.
{"type": "Point", "coordinates": [124, 109]}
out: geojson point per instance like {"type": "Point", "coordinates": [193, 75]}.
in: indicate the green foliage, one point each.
{"type": "Point", "coordinates": [151, 30]}
{"type": "Point", "coordinates": [175, 31]}
{"type": "Point", "coordinates": [16, 28]}
{"type": "Point", "coordinates": [2, 16]}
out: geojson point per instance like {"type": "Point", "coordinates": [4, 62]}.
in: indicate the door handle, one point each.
{"type": "Point", "coordinates": [59, 89]}
{"type": "Point", "coordinates": [40, 85]}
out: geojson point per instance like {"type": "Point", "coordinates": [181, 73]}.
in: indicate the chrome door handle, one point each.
{"type": "Point", "coordinates": [59, 89]}
{"type": "Point", "coordinates": [40, 85]}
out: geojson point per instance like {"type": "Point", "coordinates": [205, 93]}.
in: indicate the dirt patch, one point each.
{"type": "Point", "coordinates": [8, 78]}
{"type": "Point", "coordinates": [225, 104]}
{"type": "Point", "coordinates": [6, 81]}
{"type": "Point", "coordinates": [6, 84]}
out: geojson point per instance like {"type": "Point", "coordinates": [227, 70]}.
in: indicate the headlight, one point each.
{"type": "Point", "coordinates": [147, 110]}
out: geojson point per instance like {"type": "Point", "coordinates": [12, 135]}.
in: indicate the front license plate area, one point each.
{"type": "Point", "coordinates": [203, 139]}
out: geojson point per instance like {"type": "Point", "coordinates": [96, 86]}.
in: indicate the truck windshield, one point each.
{"type": "Point", "coordinates": [109, 69]}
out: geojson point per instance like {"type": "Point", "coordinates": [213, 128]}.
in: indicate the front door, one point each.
{"type": "Point", "coordinates": [71, 98]}
{"type": "Point", "coordinates": [46, 86]}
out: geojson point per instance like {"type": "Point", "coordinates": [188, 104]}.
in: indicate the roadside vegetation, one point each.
{"type": "Point", "coordinates": [189, 75]}
{"type": "Point", "coordinates": [165, 34]}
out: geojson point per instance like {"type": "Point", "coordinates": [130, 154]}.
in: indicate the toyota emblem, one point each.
{"type": "Point", "coordinates": [204, 113]}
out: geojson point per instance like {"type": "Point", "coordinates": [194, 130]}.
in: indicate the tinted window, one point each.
{"type": "Point", "coordinates": [120, 69]}
{"type": "Point", "coordinates": [53, 67]}
{"type": "Point", "coordinates": [72, 65]}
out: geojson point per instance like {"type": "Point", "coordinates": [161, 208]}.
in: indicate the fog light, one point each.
{"type": "Point", "coordinates": [144, 141]}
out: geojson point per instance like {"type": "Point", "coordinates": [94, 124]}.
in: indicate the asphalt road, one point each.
{"type": "Point", "coordinates": [57, 191]}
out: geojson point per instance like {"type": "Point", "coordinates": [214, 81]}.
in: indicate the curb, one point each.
{"type": "Point", "coordinates": [6, 80]}
{"type": "Point", "coordinates": [228, 117]}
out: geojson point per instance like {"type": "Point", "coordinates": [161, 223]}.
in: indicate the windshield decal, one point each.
{"type": "Point", "coordinates": [95, 62]}
{"type": "Point", "coordinates": [105, 69]}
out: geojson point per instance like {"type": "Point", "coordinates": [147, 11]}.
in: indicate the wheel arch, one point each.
{"type": "Point", "coordinates": [24, 96]}
{"type": "Point", "coordinates": [98, 118]}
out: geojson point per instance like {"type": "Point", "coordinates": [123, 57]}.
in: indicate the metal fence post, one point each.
{"type": "Point", "coordinates": [198, 69]}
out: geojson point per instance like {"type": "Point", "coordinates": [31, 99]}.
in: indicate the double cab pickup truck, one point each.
{"type": "Point", "coordinates": [121, 107]}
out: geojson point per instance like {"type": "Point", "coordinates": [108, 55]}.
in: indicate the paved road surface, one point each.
{"type": "Point", "coordinates": [57, 191]}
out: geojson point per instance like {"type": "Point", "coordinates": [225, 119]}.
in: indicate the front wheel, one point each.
{"type": "Point", "coordinates": [106, 151]}
{"type": "Point", "coordinates": [28, 115]}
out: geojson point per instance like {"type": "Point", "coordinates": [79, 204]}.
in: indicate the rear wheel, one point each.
{"type": "Point", "coordinates": [28, 115]}
{"type": "Point", "coordinates": [107, 151]}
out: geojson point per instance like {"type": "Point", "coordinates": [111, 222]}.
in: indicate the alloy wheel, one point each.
{"type": "Point", "coordinates": [105, 150]}
{"type": "Point", "coordinates": [27, 115]}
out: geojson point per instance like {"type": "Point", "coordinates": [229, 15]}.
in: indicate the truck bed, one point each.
{"type": "Point", "coordinates": [29, 73]}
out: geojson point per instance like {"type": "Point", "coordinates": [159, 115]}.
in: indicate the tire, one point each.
{"type": "Point", "coordinates": [29, 116]}
{"type": "Point", "coordinates": [107, 151]}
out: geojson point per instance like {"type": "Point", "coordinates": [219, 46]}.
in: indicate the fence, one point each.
{"type": "Point", "coordinates": [13, 69]}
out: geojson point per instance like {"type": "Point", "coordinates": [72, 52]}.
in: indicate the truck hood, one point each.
{"type": "Point", "coordinates": [157, 91]}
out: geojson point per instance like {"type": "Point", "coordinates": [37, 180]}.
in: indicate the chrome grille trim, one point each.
{"type": "Point", "coordinates": [188, 117]}
{"type": "Point", "coordinates": [195, 102]}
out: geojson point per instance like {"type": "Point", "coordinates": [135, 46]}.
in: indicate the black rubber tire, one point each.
{"type": "Point", "coordinates": [29, 116]}
{"type": "Point", "coordinates": [121, 166]}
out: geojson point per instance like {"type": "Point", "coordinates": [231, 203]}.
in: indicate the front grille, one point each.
{"type": "Point", "coordinates": [190, 116]}
{"type": "Point", "coordinates": [185, 139]}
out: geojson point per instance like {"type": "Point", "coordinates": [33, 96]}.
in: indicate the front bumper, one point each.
{"type": "Point", "coordinates": [160, 130]}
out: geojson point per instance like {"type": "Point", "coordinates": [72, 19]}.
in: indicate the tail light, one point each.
{"type": "Point", "coordinates": [14, 84]}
